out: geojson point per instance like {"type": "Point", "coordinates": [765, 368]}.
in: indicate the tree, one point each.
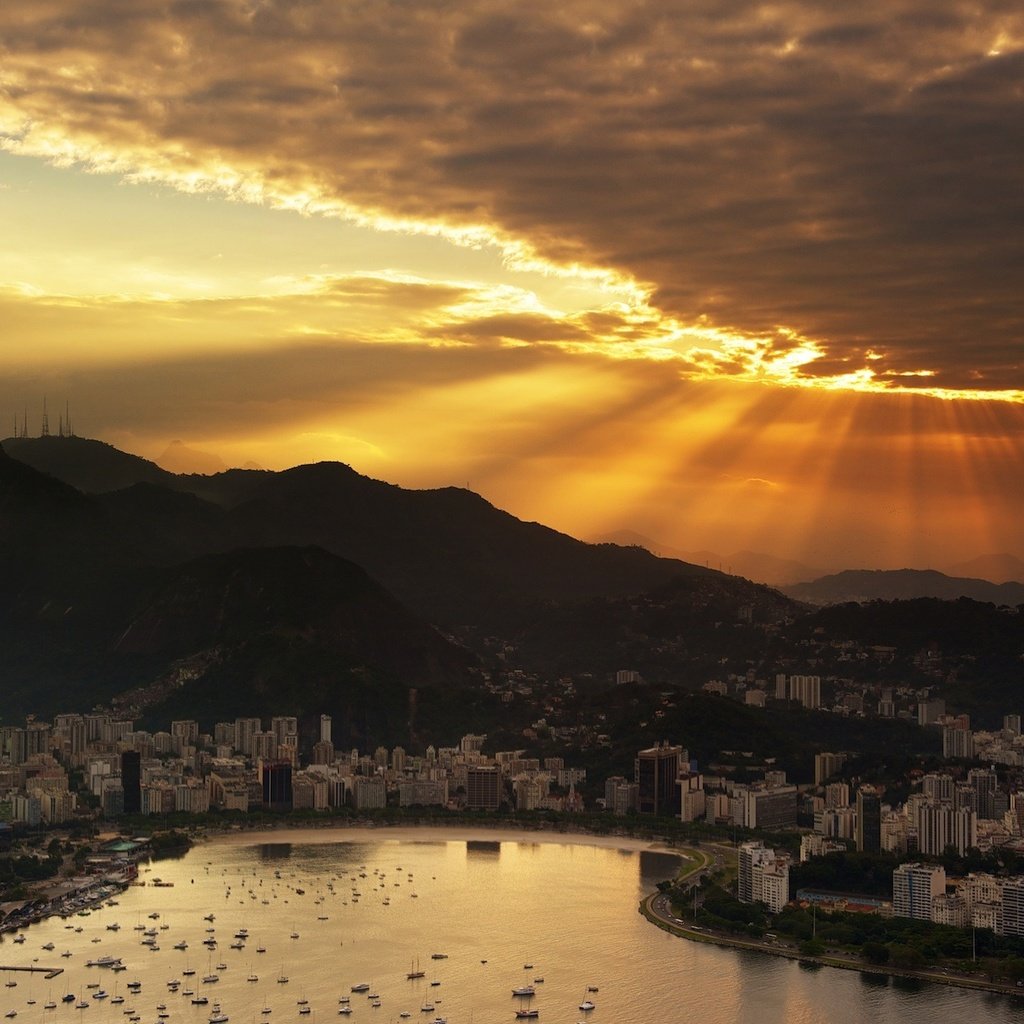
{"type": "Point", "coordinates": [875, 952]}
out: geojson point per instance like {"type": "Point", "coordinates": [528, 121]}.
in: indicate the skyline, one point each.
{"type": "Point", "coordinates": [739, 277]}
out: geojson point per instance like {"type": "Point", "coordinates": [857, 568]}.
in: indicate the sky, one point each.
{"type": "Point", "coordinates": [728, 275]}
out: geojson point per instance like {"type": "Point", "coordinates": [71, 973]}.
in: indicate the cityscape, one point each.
{"type": "Point", "coordinates": [516, 509]}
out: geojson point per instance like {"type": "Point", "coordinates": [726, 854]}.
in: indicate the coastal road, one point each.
{"type": "Point", "coordinates": [657, 908]}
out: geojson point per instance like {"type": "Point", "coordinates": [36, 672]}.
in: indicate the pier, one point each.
{"type": "Point", "coordinates": [47, 972]}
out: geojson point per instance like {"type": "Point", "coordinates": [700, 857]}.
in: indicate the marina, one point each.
{"type": "Point", "coordinates": [585, 955]}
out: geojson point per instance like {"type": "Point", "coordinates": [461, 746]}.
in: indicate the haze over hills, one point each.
{"type": "Point", "coordinates": [902, 584]}
{"type": "Point", "coordinates": [976, 579]}
{"type": "Point", "coordinates": [754, 565]}
{"type": "Point", "coordinates": [247, 590]}
{"type": "Point", "coordinates": [997, 568]}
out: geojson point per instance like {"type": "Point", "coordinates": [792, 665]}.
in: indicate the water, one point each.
{"type": "Point", "coordinates": [493, 905]}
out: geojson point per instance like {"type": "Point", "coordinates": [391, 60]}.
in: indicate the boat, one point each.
{"type": "Point", "coordinates": [305, 1009]}
{"type": "Point", "coordinates": [591, 988]}
{"type": "Point", "coordinates": [345, 1010]}
{"type": "Point", "coordinates": [438, 956]}
{"type": "Point", "coordinates": [181, 944]}
{"type": "Point", "coordinates": [48, 947]}
{"type": "Point", "coordinates": [199, 1001]}
{"type": "Point", "coordinates": [527, 1014]}
{"type": "Point", "coordinates": [587, 1005]}
{"type": "Point", "coordinates": [103, 961]}
{"type": "Point", "coordinates": [218, 1016]}
{"type": "Point", "coordinates": [525, 991]}
{"type": "Point", "coordinates": [363, 986]}
{"type": "Point", "coordinates": [415, 972]}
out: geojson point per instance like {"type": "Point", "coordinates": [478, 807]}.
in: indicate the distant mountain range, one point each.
{"type": "Point", "coordinates": [975, 578]}
{"type": "Point", "coordinates": [902, 584]}
{"type": "Point", "coordinates": [317, 589]}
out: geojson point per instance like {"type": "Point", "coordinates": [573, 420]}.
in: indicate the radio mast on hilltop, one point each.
{"type": "Point", "coordinates": [45, 431]}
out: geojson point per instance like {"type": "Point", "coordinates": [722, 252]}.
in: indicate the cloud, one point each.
{"type": "Point", "coordinates": [850, 175]}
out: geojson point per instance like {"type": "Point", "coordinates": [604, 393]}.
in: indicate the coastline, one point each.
{"type": "Point", "coordinates": [846, 962]}
{"type": "Point", "coordinates": [357, 833]}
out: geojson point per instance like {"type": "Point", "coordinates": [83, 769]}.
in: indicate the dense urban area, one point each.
{"type": "Point", "coordinates": [938, 845]}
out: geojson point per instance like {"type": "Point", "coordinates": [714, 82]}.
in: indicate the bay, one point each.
{"type": "Point", "coordinates": [335, 909]}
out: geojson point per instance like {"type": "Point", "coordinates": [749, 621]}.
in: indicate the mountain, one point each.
{"type": "Point", "coordinates": [902, 584]}
{"type": "Point", "coordinates": [177, 457]}
{"type": "Point", "coordinates": [298, 631]}
{"type": "Point", "coordinates": [447, 553]}
{"type": "Point", "coordinates": [752, 565]}
{"type": "Point", "coordinates": [88, 615]}
{"type": "Point", "coordinates": [87, 465]}
{"type": "Point", "coordinates": [998, 568]}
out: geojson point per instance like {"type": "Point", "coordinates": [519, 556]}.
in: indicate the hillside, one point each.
{"type": "Point", "coordinates": [447, 553]}
{"type": "Point", "coordinates": [84, 617]}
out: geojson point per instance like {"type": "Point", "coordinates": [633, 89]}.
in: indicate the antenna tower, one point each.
{"type": "Point", "coordinates": [45, 432]}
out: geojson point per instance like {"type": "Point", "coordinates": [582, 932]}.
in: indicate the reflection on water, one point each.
{"type": "Point", "coordinates": [656, 867]}
{"type": "Point", "coordinates": [479, 846]}
{"type": "Point", "coordinates": [274, 851]}
{"type": "Point", "coordinates": [329, 915]}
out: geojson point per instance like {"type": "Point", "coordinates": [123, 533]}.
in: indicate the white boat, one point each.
{"type": "Point", "coordinates": [345, 1010]}
{"type": "Point", "coordinates": [525, 991]}
{"type": "Point", "coordinates": [363, 986]}
{"type": "Point", "coordinates": [587, 1005]}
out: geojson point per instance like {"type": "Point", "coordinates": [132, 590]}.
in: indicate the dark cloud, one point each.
{"type": "Point", "coordinates": [852, 174]}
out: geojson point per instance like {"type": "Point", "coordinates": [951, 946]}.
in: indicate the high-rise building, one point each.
{"type": "Point", "coordinates": [276, 780]}
{"type": "Point", "coordinates": [984, 782]}
{"type": "Point", "coordinates": [1012, 901]}
{"type": "Point", "coordinates": [806, 689]}
{"type": "Point", "coordinates": [869, 820]}
{"type": "Point", "coordinates": [826, 765]}
{"type": "Point", "coordinates": [326, 729]}
{"type": "Point", "coordinates": [245, 729]}
{"type": "Point", "coordinates": [773, 807]}
{"type": "Point", "coordinates": [131, 781]}
{"type": "Point", "coordinates": [930, 711]}
{"type": "Point", "coordinates": [369, 792]}
{"type": "Point", "coordinates": [286, 730]}
{"type": "Point", "coordinates": [655, 771]}
{"type": "Point", "coordinates": [763, 876]}
{"type": "Point", "coordinates": [914, 886]}
{"type": "Point", "coordinates": [958, 743]}
{"type": "Point", "coordinates": [483, 787]}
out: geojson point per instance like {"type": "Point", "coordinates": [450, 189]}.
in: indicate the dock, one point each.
{"type": "Point", "coordinates": [47, 972]}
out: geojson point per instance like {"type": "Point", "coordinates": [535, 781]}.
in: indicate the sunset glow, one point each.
{"type": "Point", "coordinates": [729, 277]}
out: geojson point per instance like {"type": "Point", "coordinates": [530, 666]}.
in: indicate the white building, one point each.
{"type": "Point", "coordinates": [914, 888]}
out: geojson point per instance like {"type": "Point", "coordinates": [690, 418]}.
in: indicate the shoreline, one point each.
{"type": "Point", "coordinates": [433, 833]}
{"type": "Point", "coordinates": [938, 976]}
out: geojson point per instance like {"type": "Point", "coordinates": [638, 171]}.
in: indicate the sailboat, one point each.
{"type": "Point", "coordinates": [415, 973]}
